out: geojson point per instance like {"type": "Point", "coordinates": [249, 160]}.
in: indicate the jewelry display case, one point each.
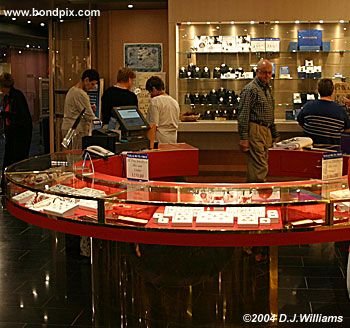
{"type": "Point", "coordinates": [64, 188]}
{"type": "Point", "coordinates": [216, 60]}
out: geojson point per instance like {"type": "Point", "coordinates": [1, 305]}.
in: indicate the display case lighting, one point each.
{"type": "Point", "coordinates": [252, 22]}
{"type": "Point", "coordinates": [277, 22]}
{"type": "Point", "coordinates": [218, 27]}
{"type": "Point", "coordinates": [232, 22]}
{"type": "Point", "coordinates": [189, 23]}
{"type": "Point", "coordinates": [27, 45]}
{"type": "Point", "coordinates": [130, 6]}
{"type": "Point", "coordinates": [342, 21]}
{"type": "Point", "coordinates": [321, 21]}
{"type": "Point", "coordinates": [297, 22]}
{"type": "Point", "coordinates": [19, 51]}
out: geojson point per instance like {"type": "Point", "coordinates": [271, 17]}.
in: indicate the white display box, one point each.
{"type": "Point", "coordinates": [87, 204]}
{"type": "Point", "coordinates": [62, 189]}
{"type": "Point", "coordinates": [163, 221]}
{"type": "Point", "coordinates": [183, 219]}
{"type": "Point", "coordinates": [264, 221]}
{"type": "Point", "coordinates": [214, 218]}
{"type": "Point", "coordinates": [24, 197]}
{"type": "Point", "coordinates": [248, 222]}
{"type": "Point", "coordinates": [61, 208]}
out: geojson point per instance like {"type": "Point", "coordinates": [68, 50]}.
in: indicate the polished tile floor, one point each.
{"type": "Point", "coordinates": [42, 286]}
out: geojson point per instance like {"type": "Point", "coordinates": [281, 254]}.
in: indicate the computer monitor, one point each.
{"type": "Point", "coordinates": [130, 118]}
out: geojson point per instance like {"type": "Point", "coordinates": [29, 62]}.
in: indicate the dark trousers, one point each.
{"type": "Point", "coordinates": [17, 148]}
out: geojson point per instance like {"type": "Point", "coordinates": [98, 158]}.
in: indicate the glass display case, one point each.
{"type": "Point", "coordinates": [216, 60]}
{"type": "Point", "coordinates": [66, 186]}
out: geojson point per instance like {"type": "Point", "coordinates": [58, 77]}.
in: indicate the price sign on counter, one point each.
{"type": "Point", "coordinates": [137, 166]}
{"type": "Point", "coordinates": [332, 166]}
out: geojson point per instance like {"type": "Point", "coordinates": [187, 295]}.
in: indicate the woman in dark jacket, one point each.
{"type": "Point", "coordinates": [17, 122]}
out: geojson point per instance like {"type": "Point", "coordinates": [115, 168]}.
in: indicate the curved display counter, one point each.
{"type": "Point", "coordinates": [65, 192]}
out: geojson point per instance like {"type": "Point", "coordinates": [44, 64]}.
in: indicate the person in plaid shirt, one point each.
{"type": "Point", "coordinates": [256, 127]}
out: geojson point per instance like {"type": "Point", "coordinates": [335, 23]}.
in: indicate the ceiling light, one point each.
{"type": "Point", "coordinates": [321, 21]}
{"type": "Point", "coordinates": [188, 23]}
{"type": "Point", "coordinates": [342, 21]}
{"type": "Point", "coordinates": [297, 22]}
{"type": "Point", "coordinates": [232, 22]}
{"type": "Point", "coordinates": [61, 20]}
{"type": "Point", "coordinates": [218, 27]}
{"type": "Point", "coordinates": [277, 22]}
{"type": "Point", "coordinates": [27, 45]}
{"type": "Point", "coordinates": [20, 51]}
{"type": "Point", "coordinates": [13, 18]}
{"type": "Point", "coordinates": [29, 21]}
{"type": "Point", "coordinates": [130, 6]}
{"type": "Point", "coordinates": [252, 22]}
{"type": "Point", "coordinates": [42, 24]}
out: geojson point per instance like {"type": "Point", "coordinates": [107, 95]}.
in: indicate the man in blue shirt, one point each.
{"type": "Point", "coordinates": [324, 120]}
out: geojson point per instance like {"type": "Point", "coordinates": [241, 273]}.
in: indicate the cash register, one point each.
{"type": "Point", "coordinates": [133, 127]}
{"type": "Point", "coordinates": [132, 133]}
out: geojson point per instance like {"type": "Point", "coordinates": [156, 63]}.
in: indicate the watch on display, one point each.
{"type": "Point", "coordinates": [188, 99]}
{"type": "Point", "coordinates": [216, 73]}
{"type": "Point", "coordinates": [206, 72]}
{"type": "Point", "coordinates": [213, 97]}
{"type": "Point", "coordinates": [197, 73]}
{"type": "Point", "coordinates": [182, 73]}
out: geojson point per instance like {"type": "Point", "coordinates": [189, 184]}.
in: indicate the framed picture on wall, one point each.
{"type": "Point", "coordinates": [143, 57]}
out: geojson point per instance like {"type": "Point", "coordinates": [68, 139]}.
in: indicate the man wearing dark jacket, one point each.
{"type": "Point", "coordinates": [17, 122]}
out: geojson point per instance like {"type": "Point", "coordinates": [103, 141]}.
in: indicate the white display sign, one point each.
{"type": "Point", "coordinates": [137, 166]}
{"type": "Point", "coordinates": [332, 166]}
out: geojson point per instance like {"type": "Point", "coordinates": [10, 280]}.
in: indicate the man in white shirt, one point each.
{"type": "Point", "coordinates": [164, 111]}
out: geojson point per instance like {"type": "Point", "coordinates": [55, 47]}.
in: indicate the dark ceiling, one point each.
{"type": "Point", "coordinates": [18, 33]}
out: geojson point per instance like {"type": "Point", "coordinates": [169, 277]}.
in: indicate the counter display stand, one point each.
{"type": "Point", "coordinates": [62, 193]}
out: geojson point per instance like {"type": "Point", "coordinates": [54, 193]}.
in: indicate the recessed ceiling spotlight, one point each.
{"type": "Point", "coordinates": [42, 24]}
{"type": "Point", "coordinates": [130, 6]}
{"type": "Point", "coordinates": [29, 21]}
{"type": "Point", "coordinates": [13, 18]}
{"type": "Point", "coordinates": [27, 46]}
{"type": "Point", "coordinates": [61, 20]}
{"type": "Point", "coordinates": [20, 51]}
{"type": "Point", "coordinates": [344, 28]}
{"type": "Point", "coordinates": [218, 27]}
{"type": "Point", "coordinates": [297, 22]}
{"type": "Point", "coordinates": [321, 21]}
{"type": "Point", "coordinates": [252, 22]}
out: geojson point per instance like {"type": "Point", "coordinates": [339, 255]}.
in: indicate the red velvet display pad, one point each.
{"type": "Point", "coordinates": [298, 163]}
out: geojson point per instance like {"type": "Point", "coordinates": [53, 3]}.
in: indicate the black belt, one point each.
{"type": "Point", "coordinates": [268, 125]}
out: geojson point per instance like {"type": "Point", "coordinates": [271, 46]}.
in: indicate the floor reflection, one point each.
{"type": "Point", "coordinates": [178, 286]}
